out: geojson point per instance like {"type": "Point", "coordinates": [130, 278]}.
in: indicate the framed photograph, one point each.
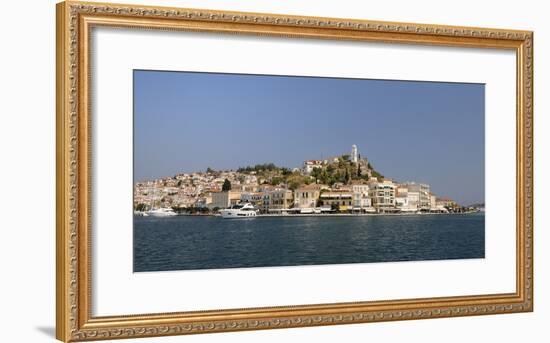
{"type": "Point", "coordinates": [223, 171]}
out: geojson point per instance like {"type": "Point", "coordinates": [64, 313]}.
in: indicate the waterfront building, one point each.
{"type": "Point", "coordinates": [423, 191]}
{"type": "Point", "coordinates": [413, 198]}
{"type": "Point", "coordinates": [306, 196]}
{"type": "Point", "coordinates": [255, 198]}
{"type": "Point", "coordinates": [280, 198]}
{"type": "Point", "coordinates": [401, 201]}
{"type": "Point", "coordinates": [337, 199]}
{"type": "Point", "coordinates": [418, 195]}
{"type": "Point", "coordinates": [266, 198]}
{"type": "Point", "coordinates": [225, 199]}
{"type": "Point", "coordinates": [407, 201]}
{"type": "Point", "coordinates": [424, 197]}
{"type": "Point", "coordinates": [382, 194]}
{"type": "Point", "coordinates": [433, 201]}
{"type": "Point", "coordinates": [361, 200]}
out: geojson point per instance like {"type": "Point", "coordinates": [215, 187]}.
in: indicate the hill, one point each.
{"type": "Point", "coordinates": [339, 170]}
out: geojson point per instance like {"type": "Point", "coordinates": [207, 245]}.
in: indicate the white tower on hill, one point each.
{"type": "Point", "coordinates": [354, 154]}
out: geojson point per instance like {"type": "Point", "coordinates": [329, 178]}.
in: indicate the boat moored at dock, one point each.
{"type": "Point", "coordinates": [241, 210]}
{"type": "Point", "coordinates": [161, 212]}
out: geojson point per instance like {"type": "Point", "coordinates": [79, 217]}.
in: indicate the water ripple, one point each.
{"type": "Point", "coordinates": [184, 243]}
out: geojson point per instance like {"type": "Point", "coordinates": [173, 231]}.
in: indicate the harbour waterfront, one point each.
{"type": "Point", "coordinates": [208, 242]}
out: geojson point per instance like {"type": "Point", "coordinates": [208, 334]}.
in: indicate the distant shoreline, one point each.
{"type": "Point", "coordinates": [301, 215]}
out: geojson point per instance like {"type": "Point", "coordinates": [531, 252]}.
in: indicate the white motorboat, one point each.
{"type": "Point", "coordinates": [161, 212]}
{"type": "Point", "coordinates": [241, 210]}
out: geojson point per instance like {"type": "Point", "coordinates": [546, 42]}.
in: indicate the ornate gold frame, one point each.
{"type": "Point", "coordinates": [74, 320]}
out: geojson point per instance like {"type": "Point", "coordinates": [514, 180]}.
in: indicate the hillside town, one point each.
{"type": "Point", "coordinates": [336, 185]}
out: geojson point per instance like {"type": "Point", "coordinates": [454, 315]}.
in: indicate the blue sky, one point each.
{"type": "Point", "coordinates": [429, 132]}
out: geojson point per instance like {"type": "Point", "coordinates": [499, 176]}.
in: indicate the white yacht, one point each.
{"type": "Point", "coordinates": [241, 210]}
{"type": "Point", "coordinates": [161, 212]}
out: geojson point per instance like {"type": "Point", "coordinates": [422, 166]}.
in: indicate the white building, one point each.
{"type": "Point", "coordinates": [423, 192]}
{"type": "Point", "coordinates": [382, 194]}
{"type": "Point", "coordinates": [361, 199]}
{"type": "Point", "coordinates": [401, 201]}
{"type": "Point", "coordinates": [309, 165]}
{"type": "Point", "coordinates": [407, 201]}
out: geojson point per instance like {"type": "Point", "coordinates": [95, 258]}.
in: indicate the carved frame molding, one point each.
{"type": "Point", "coordinates": [74, 320]}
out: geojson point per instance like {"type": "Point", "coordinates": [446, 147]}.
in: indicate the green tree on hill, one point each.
{"type": "Point", "coordinates": [226, 187]}
{"type": "Point", "coordinates": [277, 180]}
{"type": "Point", "coordinates": [316, 173]}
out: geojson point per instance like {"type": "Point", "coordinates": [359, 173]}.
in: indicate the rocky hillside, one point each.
{"type": "Point", "coordinates": [340, 170]}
